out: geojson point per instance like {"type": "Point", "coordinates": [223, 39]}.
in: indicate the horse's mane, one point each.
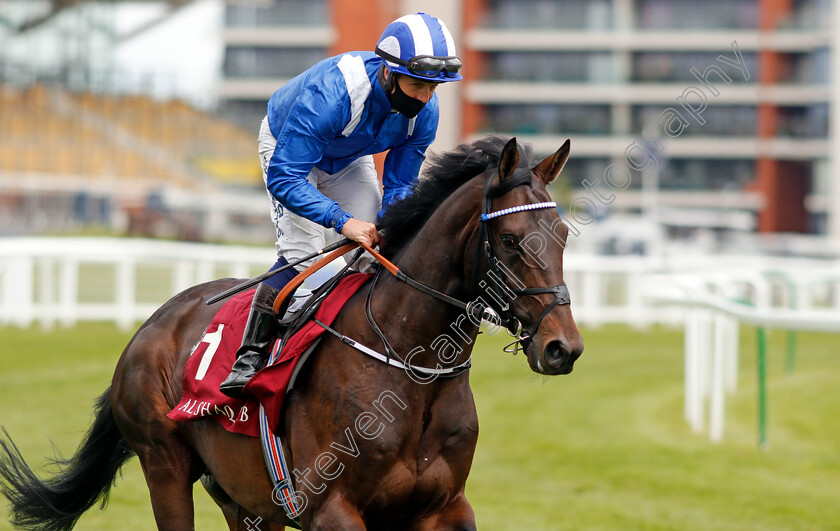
{"type": "Point", "coordinates": [442, 175]}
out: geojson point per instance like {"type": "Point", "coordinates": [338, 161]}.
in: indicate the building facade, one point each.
{"type": "Point", "coordinates": [713, 107]}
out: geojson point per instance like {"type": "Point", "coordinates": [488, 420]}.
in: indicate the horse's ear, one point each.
{"type": "Point", "coordinates": [550, 167]}
{"type": "Point", "coordinates": [509, 160]}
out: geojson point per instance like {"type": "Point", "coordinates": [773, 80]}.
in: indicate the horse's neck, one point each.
{"type": "Point", "coordinates": [436, 258]}
{"type": "Point", "coordinates": [436, 255]}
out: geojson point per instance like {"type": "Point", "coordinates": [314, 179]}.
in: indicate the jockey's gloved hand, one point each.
{"type": "Point", "coordinates": [360, 231]}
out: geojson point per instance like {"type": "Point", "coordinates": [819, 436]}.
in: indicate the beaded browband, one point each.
{"type": "Point", "coordinates": [521, 208]}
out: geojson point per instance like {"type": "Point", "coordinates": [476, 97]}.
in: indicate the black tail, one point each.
{"type": "Point", "coordinates": [55, 504]}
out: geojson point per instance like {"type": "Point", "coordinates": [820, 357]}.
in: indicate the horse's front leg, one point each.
{"type": "Point", "coordinates": [457, 515]}
{"type": "Point", "coordinates": [336, 513]}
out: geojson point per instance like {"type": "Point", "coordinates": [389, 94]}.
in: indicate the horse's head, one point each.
{"type": "Point", "coordinates": [522, 239]}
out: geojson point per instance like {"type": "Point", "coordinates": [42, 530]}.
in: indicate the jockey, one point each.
{"type": "Point", "coordinates": [316, 147]}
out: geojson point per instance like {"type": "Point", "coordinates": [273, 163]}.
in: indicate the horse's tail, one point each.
{"type": "Point", "coordinates": [56, 503]}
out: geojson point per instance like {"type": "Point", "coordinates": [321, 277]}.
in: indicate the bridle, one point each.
{"type": "Point", "coordinates": [503, 315]}
{"type": "Point", "coordinates": [523, 338]}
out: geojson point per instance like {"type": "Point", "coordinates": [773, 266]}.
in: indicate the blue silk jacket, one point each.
{"type": "Point", "coordinates": [332, 114]}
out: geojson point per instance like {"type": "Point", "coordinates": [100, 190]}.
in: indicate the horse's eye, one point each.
{"type": "Point", "coordinates": [509, 241]}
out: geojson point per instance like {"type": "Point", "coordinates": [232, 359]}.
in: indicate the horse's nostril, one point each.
{"type": "Point", "coordinates": [554, 353]}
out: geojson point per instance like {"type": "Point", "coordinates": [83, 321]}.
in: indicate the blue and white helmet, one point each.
{"type": "Point", "coordinates": [420, 46]}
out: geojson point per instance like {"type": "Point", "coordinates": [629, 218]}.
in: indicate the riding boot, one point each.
{"type": "Point", "coordinates": [260, 332]}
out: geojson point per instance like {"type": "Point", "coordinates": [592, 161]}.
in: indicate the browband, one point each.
{"type": "Point", "coordinates": [520, 208]}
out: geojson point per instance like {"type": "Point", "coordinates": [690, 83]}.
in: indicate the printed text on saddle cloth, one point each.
{"type": "Point", "coordinates": [209, 364]}
{"type": "Point", "coordinates": [212, 357]}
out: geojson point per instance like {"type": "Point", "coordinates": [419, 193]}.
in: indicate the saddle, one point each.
{"type": "Point", "coordinates": [299, 308]}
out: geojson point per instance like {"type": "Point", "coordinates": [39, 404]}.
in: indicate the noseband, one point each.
{"type": "Point", "coordinates": [523, 338]}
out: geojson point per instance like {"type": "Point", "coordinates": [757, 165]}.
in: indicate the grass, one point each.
{"type": "Point", "coordinates": [603, 448]}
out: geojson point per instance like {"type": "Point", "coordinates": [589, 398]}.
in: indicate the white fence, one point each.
{"type": "Point", "coordinates": [67, 280]}
{"type": "Point", "coordinates": [801, 295]}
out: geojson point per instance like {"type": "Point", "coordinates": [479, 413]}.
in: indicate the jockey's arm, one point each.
{"type": "Point", "coordinates": [301, 143]}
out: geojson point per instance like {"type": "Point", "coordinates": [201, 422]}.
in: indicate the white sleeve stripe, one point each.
{"type": "Point", "coordinates": [421, 34]}
{"type": "Point", "coordinates": [358, 87]}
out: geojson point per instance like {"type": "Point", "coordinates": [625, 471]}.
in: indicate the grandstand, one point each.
{"type": "Point", "coordinates": [83, 144]}
{"type": "Point", "coordinates": [126, 149]}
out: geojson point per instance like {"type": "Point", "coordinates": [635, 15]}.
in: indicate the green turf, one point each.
{"type": "Point", "coordinates": [603, 448]}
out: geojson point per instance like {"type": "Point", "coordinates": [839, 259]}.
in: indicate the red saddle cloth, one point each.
{"type": "Point", "coordinates": [211, 360]}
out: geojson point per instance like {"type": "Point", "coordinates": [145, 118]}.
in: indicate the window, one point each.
{"type": "Point", "coordinates": [577, 169]}
{"type": "Point", "coordinates": [258, 62]}
{"type": "Point", "coordinates": [676, 67]}
{"type": "Point", "coordinates": [246, 13]}
{"type": "Point", "coordinates": [549, 14]}
{"type": "Point", "coordinates": [675, 14]}
{"type": "Point", "coordinates": [707, 174]}
{"type": "Point", "coordinates": [539, 119]}
{"type": "Point", "coordinates": [549, 66]}
{"type": "Point", "coordinates": [809, 14]}
{"type": "Point", "coordinates": [721, 120]}
{"type": "Point", "coordinates": [803, 122]}
{"type": "Point", "coordinates": [804, 68]}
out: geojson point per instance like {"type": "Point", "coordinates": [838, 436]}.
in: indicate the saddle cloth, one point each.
{"type": "Point", "coordinates": [211, 360]}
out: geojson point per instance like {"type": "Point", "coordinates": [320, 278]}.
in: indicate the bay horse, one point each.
{"type": "Point", "coordinates": [462, 228]}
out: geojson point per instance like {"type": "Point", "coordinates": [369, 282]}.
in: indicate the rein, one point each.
{"type": "Point", "coordinates": [503, 316]}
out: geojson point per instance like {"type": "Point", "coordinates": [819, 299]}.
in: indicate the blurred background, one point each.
{"type": "Point", "coordinates": [702, 195]}
{"type": "Point", "coordinates": [115, 115]}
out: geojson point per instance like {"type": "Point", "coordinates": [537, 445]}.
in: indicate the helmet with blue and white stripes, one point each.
{"type": "Point", "coordinates": [420, 46]}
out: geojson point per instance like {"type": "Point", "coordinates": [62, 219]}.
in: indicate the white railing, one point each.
{"type": "Point", "coordinates": [67, 280]}
{"type": "Point", "coordinates": [713, 307]}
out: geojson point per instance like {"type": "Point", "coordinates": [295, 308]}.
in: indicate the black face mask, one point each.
{"type": "Point", "coordinates": [402, 102]}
